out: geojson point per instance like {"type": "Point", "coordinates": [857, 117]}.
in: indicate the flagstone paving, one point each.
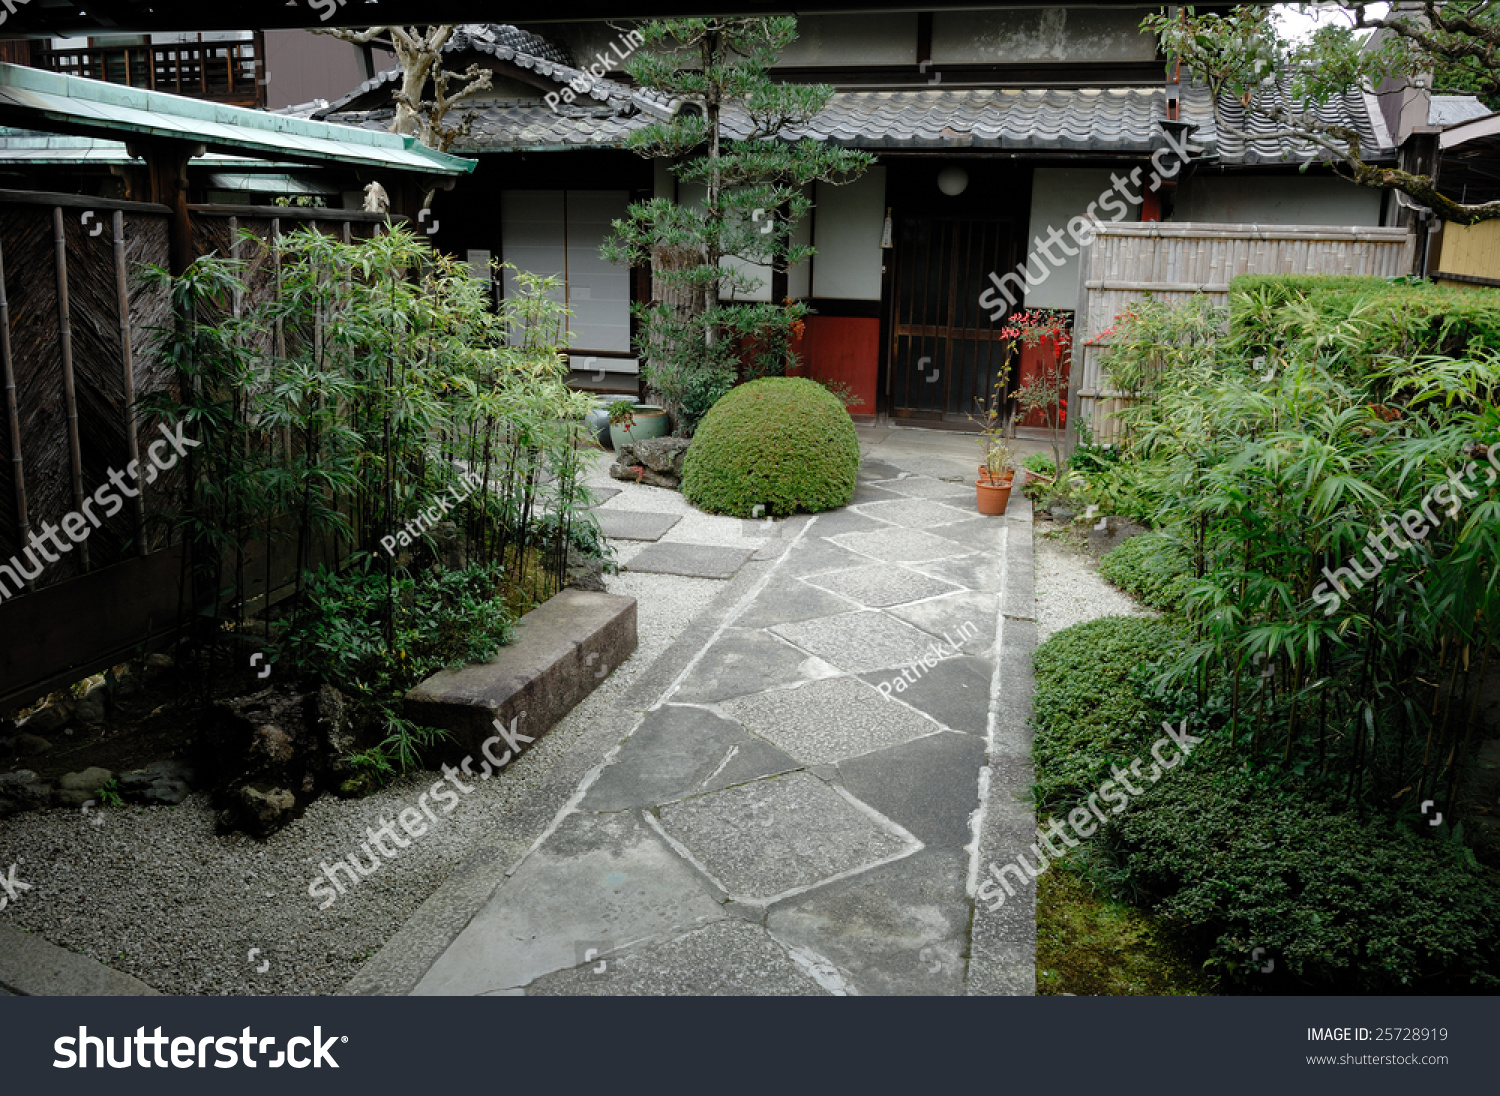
{"type": "Point", "coordinates": [808, 796]}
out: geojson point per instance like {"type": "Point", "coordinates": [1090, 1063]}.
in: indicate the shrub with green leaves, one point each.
{"type": "Point", "coordinates": [1089, 708]}
{"type": "Point", "coordinates": [1343, 904]}
{"type": "Point", "coordinates": [784, 443]}
{"type": "Point", "coordinates": [1151, 568]}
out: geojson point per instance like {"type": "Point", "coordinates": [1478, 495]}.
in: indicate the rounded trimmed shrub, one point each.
{"type": "Point", "coordinates": [784, 443]}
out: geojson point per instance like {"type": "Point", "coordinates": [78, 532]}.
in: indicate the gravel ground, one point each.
{"type": "Point", "coordinates": [155, 893]}
{"type": "Point", "coordinates": [1070, 589]}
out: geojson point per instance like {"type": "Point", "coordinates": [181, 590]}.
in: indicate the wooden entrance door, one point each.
{"type": "Point", "coordinates": [945, 352]}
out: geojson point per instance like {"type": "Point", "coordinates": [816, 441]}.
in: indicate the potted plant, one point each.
{"type": "Point", "coordinates": [629, 422]}
{"type": "Point", "coordinates": [997, 459]}
{"type": "Point", "coordinates": [598, 416]}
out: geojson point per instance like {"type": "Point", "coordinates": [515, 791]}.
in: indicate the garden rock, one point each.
{"type": "Point", "coordinates": [158, 663]}
{"type": "Point", "coordinates": [259, 811]}
{"type": "Point", "coordinates": [23, 790]}
{"type": "Point", "coordinates": [1062, 513]}
{"type": "Point", "coordinates": [25, 745]}
{"type": "Point", "coordinates": [1116, 531]}
{"type": "Point", "coordinates": [655, 461]}
{"type": "Point", "coordinates": [160, 784]}
{"type": "Point", "coordinates": [76, 789]}
{"type": "Point", "coordinates": [258, 749]}
{"type": "Point", "coordinates": [585, 572]}
{"type": "Point", "coordinates": [90, 710]}
{"type": "Point", "coordinates": [51, 718]}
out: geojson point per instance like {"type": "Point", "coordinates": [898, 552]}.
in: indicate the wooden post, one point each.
{"type": "Point", "coordinates": [166, 172]}
{"type": "Point", "coordinates": [13, 413]}
{"type": "Point", "coordinates": [127, 357]}
{"type": "Point", "coordinates": [65, 349]}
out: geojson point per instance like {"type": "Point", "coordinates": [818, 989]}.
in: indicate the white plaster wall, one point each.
{"type": "Point", "coordinates": [850, 218]}
{"type": "Point", "coordinates": [1057, 196]}
{"type": "Point", "coordinates": [1276, 200]}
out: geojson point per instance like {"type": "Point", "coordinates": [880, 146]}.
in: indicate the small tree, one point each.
{"type": "Point", "coordinates": [1243, 57]}
{"type": "Point", "coordinates": [419, 51]}
{"type": "Point", "coordinates": [727, 138]}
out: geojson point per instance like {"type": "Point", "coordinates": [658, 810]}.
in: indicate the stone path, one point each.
{"type": "Point", "coordinates": [808, 797]}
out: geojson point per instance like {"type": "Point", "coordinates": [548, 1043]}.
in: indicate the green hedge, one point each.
{"type": "Point", "coordinates": [1152, 568]}
{"type": "Point", "coordinates": [1401, 318]}
{"type": "Point", "coordinates": [785, 443]}
{"type": "Point", "coordinates": [1340, 903]}
{"type": "Point", "coordinates": [1087, 709]}
{"type": "Point", "coordinates": [1239, 858]}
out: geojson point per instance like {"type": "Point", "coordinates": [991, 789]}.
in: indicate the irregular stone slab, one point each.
{"type": "Point", "coordinates": [898, 929]}
{"type": "Point", "coordinates": [773, 837]}
{"type": "Point", "coordinates": [899, 545]}
{"type": "Point", "coordinates": [743, 662]}
{"type": "Point", "coordinates": [828, 721]}
{"type": "Point", "coordinates": [634, 525]}
{"type": "Point", "coordinates": [954, 693]}
{"type": "Point", "coordinates": [942, 468]}
{"type": "Point", "coordinates": [602, 494]}
{"type": "Point", "coordinates": [785, 602]}
{"type": "Point", "coordinates": [813, 555]}
{"type": "Point", "coordinates": [674, 754]}
{"type": "Point", "coordinates": [726, 959]}
{"type": "Point", "coordinates": [847, 521]}
{"type": "Point", "coordinates": [598, 880]}
{"type": "Point", "coordinates": [965, 619]}
{"type": "Point", "coordinates": [982, 571]}
{"type": "Point", "coordinates": [881, 584]}
{"type": "Point", "coordinates": [859, 641]}
{"type": "Point", "coordinates": [929, 787]}
{"type": "Point", "coordinates": [925, 487]}
{"type": "Point", "coordinates": [753, 760]}
{"type": "Point", "coordinates": [983, 534]}
{"type": "Point", "coordinates": [562, 650]}
{"type": "Point", "coordinates": [690, 560]}
{"type": "Point", "coordinates": [877, 470]}
{"type": "Point", "coordinates": [915, 513]}
{"type": "Point", "coordinates": [870, 492]}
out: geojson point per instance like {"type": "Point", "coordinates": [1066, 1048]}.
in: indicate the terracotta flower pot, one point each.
{"type": "Point", "coordinates": [1005, 477]}
{"type": "Point", "coordinates": [993, 498]}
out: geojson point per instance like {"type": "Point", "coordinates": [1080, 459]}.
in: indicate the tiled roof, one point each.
{"type": "Point", "coordinates": [1265, 145]}
{"type": "Point", "coordinates": [1105, 120]}
{"type": "Point", "coordinates": [1447, 110]}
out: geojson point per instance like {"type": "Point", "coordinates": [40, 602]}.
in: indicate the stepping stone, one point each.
{"type": "Point", "coordinates": [690, 560]}
{"type": "Point", "coordinates": [898, 545]}
{"type": "Point", "coordinates": [777, 837]}
{"type": "Point", "coordinates": [859, 641]}
{"type": "Point", "coordinates": [915, 513]}
{"type": "Point", "coordinates": [882, 584]}
{"type": "Point", "coordinates": [602, 494]}
{"type": "Point", "coordinates": [829, 720]}
{"type": "Point", "coordinates": [634, 525]}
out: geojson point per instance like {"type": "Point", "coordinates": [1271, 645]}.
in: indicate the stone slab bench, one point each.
{"type": "Point", "coordinates": [563, 649]}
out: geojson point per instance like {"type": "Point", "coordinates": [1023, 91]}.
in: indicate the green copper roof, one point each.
{"type": "Point", "coordinates": [28, 96]}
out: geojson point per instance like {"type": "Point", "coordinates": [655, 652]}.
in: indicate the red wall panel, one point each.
{"type": "Point", "coordinates": [844, 349]}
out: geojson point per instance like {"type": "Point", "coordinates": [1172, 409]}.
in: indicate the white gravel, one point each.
{"type": "Point", "coordinates": [155, 893]}
{"type": "Point", "coordinates": [1070, 589]}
